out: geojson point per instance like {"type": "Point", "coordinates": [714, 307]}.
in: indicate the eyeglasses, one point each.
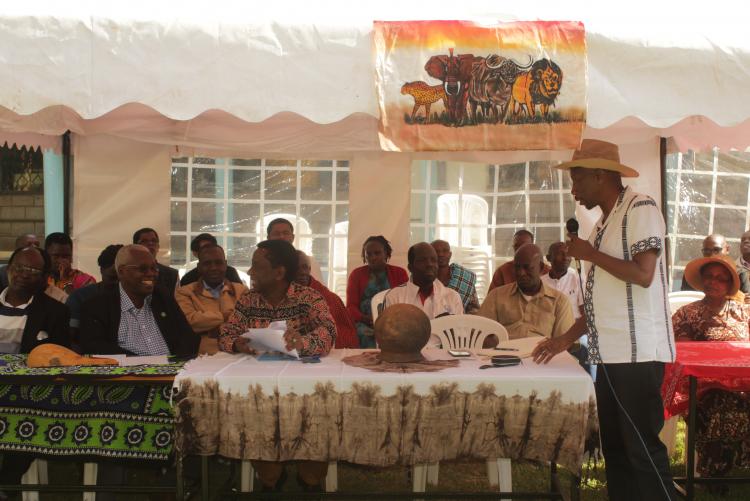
{"type": "Point", "coordinates": [142, 268]}
{"type": "Point", "coordinates": [20, 268]}
{"type": "Point", "coordinates": [710, 251]}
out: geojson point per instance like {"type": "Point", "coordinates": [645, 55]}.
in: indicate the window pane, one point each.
{"type": "Point", "coordinates": [544, 237]}
{"type": "Point", "coordinates": [178, 253]}
{"type": "Point", "coordinates": [479, 178]}
{"type": "Point", "coordinates": [511, 210]}
{"type": "Point", "coordinates": [240, 252]}
{"type": "Point", "coordinates": [316, 163]}
{"type": "Point", "coordinates": [281, 163]}
{"type": "Point", "coordinates": [245, 162]}
{"type": "Point", "coordinates": [180, 160]}
{"type": "Point", "coordinates": [729, 222]}
{"type": "Point", "coordinates": [731, 190]}
{"type": "Point", "coordinates": [320, 251]}
{"type": "Point", "coordinates": [695, 188]}
{"type": "Point", "coordinates": [342, 186]}
{"type": "Point", "coordinates": [207, 183]}
{"type": "Point", "coordinates": [244, 218]}
{"type": "Point", "coordinates": [204, 161]}
{"type": "Point", "coordinates": [207, 217]}
{"type": "Point", "coordinates": [687, 250]}
{"type": "Point", "coordinates": [178, 216]}
{"type": "Point", "coordinates": [445, 175]}
{"type": "Point", "coordinates": [734, 161]}
{"type": "Point", "coordinates": [416, 234]}
{"type": "Point", "coordinates": [544, 208]}
{"type": "Point", "coordinates": [543, 176]}
{"type": "Point", "coordinates": [417, 208]}
{"type": "Point", "coordinates": [316, 185]}
{"type": "Point", "coordinates": [419, 174]}
{"type": "Point", "coordinates": [318, 216]}
{"type": "Point", "coordinates": [693, 220]}
{"type": "Point", "coordinates": [504, 243]}
{"type": "Point", "coordinates": [281, 185]}
{"type": "Point", "coordinates": [342, 213]}
{"type": "Point", "coordinates": [704, 161]}
{"type": "Point", "coordinates": [511, 177]}
{"type": "Point", "coordinates": [179, 182]}
{"type": "Point", "coordinates": [569, 206]}
{"type": "Point", "coordinates": [244, 184]}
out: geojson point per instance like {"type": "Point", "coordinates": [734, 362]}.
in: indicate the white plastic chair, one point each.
{"type": "Point", "coordinates": [681, 298]}
{"type": "Point", "coordinates": [466, 332]}
{"type": "Point", "coordinates": [377, 303]}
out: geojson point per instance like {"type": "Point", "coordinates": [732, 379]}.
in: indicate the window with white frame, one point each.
{"type": "Point", "coordinates": [234, 200]}
{"type": "Point", "coordinates": [478, 207]}
{"type": "Point", "coordinates": [707, 193]}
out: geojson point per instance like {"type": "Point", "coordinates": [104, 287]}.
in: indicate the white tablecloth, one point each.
{"type": "Point", "coordinates": [240, 407]}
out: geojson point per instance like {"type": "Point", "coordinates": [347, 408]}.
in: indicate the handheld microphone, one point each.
{"type": "Point", "coordinates": [571, 226]}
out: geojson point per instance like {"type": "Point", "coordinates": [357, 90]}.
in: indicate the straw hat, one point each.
{"type": "Point", "coordinates": [694, 267]}
{"type": "Point", "coordinates": [595, 154]}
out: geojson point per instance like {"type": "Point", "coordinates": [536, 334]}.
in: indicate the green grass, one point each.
{"type": "Point", "coordinates": [456, 477]}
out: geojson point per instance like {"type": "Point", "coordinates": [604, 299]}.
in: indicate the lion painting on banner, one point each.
{"type": "Point", "coordinates": [540, 85]}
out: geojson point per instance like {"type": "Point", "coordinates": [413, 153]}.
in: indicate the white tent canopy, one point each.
{"type": "Point", "coordinates": [296, 75]}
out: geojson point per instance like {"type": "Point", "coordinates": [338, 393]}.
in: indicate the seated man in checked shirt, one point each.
{"type": "Point", "coordinates": [135, 316]}
{"type": "Point", "coordinates": [310, 330]}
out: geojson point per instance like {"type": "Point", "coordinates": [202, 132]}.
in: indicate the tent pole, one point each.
{"type": "Point", "coordinates": [67, 161]}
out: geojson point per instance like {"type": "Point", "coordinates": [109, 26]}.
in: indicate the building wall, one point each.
{"type": "Point", "coordinates": [19, 214]}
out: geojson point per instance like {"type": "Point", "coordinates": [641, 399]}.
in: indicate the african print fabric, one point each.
{"type": "Point", "coordinates": [129, 420]}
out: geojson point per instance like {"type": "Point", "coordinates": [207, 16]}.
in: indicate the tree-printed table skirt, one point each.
{"type": "Point", "coordinates": [239, 407]}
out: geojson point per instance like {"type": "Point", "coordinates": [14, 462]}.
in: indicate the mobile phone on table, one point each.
{"type": "Point", "coordinates": [459, 353]}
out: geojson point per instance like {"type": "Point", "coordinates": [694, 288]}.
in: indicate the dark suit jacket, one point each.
{"type": "Point", "coordinates": [100, 323]}
{"type": "Point", "coordinates": [193, 276]}
{"type": "Point", "coordinates": [45, 314]}
{"type": "Point", "coordinates": [167, 277]}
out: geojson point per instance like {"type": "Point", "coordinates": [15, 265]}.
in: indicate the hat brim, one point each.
{"type": "Point", "coordinates": [693, 272]}
{"type": "Point", "coordinates": [599, 163]}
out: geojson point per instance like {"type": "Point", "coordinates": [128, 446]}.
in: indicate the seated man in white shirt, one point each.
{"type": "Point", "coordinates": [423, 289]}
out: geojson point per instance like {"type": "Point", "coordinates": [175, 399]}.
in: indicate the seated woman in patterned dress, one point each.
{"type": "Point", "coordinates": [723, 420]}
{"type": "Point", "coordinates": [366, 281]}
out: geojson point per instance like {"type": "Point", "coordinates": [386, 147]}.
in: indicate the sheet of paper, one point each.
{"type": "Point", "coordinates": [270, 338]}
{"type": "Point", "coordinates": [126, 361]}
{"type": "Point", "coordinates": [519, 347]}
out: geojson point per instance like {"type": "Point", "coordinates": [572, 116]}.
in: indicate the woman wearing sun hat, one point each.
{"type": "Point", "coordinates": [723, 417]}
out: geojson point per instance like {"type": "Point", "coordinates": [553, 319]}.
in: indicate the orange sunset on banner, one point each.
{"type": "Point", "coordinates": [459, 85]}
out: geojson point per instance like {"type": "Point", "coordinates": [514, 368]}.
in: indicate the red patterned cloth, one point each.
{"type": "Point", "coordinates": [346, 333]}
{"type": "Point", "coordinates": [719, 364]}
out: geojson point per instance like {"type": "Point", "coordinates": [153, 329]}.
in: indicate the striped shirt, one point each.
{"type": "Point", "coordinates": [303, 308]}
{"type": "Point", "coordinates": [626, 322]}
{"type": "Point", "coordinates": [12, 324]}
{"type": "Point", "coordinates": [464, 281]}
{"type": "Point", "coordinates": [138, 332]}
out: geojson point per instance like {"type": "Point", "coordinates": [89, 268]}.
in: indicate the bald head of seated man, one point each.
{"type": "Point", "coordinates": [527, 307]}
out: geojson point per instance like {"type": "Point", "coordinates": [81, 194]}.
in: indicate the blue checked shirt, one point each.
{"type": "Point", "coordinates": [138, 332]}
{"type": "Point", "coordinates": [464, 282]}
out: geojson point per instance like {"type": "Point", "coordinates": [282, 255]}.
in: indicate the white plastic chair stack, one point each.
{"type": "Point", "coordinates": [466, 332]}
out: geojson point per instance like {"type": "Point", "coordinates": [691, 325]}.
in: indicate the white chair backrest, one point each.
{"type": "Point", "coordinates": [678, 300]}
{"type": "Point", "coordinates": [472, 208]}
{"type": "Point", "coordinates": [377, 304]}
{"type": "Point", "coordinates": [466, 331]}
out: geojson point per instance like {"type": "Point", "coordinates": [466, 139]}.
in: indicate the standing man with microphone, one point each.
{"type": "Point", "coordinates": [629, 324]}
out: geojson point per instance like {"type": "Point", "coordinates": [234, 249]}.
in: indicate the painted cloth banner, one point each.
{"type": "Point", "coordinates": [458, 85]}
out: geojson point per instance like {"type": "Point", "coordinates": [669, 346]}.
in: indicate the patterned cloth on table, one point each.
{"type": "Point", "coordinates": [723, 419]}
{"type": "Point", "coordinates": [119, 420]}
{"type": "Point", "coordinates": [303, 308]}
{"type": "Point", "coordinates": [463, 281]}
{"type": "Point", "coordinates": [138, 332]}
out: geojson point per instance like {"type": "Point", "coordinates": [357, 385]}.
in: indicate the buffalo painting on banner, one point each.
{"type": "Point", "coordinates": [458, 85]}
